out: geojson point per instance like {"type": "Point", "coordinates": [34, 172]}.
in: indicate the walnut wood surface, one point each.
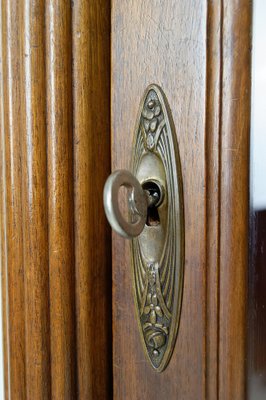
{"type": "Point", "coordinates": [34, 201]}
{"type": "Point", "coordinates": [3, 237]}
{"type": "Point", "coordinates": [60, 199]}
{"type": "Point", "coordinates": [200, 54]}
{"type": "Point", "coordinates": [213, 110]}
{"type": "Point", "coordinates": [91, 103]}
{"type": "Point", "coordinates": [234, 211]}
{"type": "Point", "coordinates": [16, 371]}
{"type": "Point", "coordinates": [163, 43]}
{"type": "Point", "coordinates": [55, 156]}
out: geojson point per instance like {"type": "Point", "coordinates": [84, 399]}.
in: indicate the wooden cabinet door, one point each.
{"type": "Point", "coordinates": [198, 52]}
{"type": "Point", "coordinates": [60, 128]}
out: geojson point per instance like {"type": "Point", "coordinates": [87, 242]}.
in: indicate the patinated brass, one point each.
{"type": "Point", "coordinates": [158, 252]}
{"type": "Point", "coordinates": [155, 225]}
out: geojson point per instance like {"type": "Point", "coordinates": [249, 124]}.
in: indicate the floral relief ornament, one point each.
{"type": "Point", "coordinates": [150, 114]}
{"type": "Point", "coordinates": [158, 282]}
{"type": "Point", "coordinates": [153, 308]}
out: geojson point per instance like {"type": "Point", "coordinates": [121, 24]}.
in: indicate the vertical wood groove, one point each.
{"type": "Point", "coordinates": [4, 281]}
{"type": "Point", "coordinates": [60, 198]}
{"type": "Point", "coordinates": [213, 109]}
{"type": "Point", "coordinates": [38, 148]}
{"type": "Point", "coordinates": [91, 94]}
{"type": "Point", "coordinates": [41, 279]}
{"type": "Point", "coordinates": [235, 123]}
{"type": "Point", "coordinates": [35, 233]}
{"type": "Point", "coordinates": [12, 148]}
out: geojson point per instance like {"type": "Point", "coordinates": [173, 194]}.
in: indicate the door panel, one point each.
{"type": "Point", "coordinates": [199, 55]}
{"type": "Point", "coordinates": [162, 43]}
{"type": "Point", "coordinates": [55, 157]}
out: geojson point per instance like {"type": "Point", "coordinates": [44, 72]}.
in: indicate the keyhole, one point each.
{"type": "Point", "coordinates": [155, 197]}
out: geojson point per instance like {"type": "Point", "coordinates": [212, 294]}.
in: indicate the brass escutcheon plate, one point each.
{"type": "Point", "coordinates": [158, 252]}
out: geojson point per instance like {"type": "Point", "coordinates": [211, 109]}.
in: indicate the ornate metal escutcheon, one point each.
{"type": "Point", "coordinates": [155, 225]}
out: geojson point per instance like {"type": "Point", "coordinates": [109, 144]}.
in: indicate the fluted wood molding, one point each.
{"type": "Point", "coordinates": [55, 156]}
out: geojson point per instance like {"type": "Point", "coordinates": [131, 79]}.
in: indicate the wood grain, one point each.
{"type": "Point", "coordinates": [3, 241]}
{"type": "Point", "coordinates": [55, 243]}
{"type": "Point", "coordinates": [91, 94]}
{"type": "Point", "coordinates": [235, 123]}
{"type": "Point", "coordinates": [34, 199]}
{"type": "Point", "coordinates": [163, 43]}
{"type": "Point", "coordinates": [13, 198]}
{"type": "Point", "coordinates": [212, 154]}
{"type": "Point", "coordinates": [202, 61]}
{"type": "Point", "coordinates": [60, 199]}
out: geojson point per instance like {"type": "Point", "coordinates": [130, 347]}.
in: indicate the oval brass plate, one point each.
{"type": "Point", "coordinates": [158, 253]}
